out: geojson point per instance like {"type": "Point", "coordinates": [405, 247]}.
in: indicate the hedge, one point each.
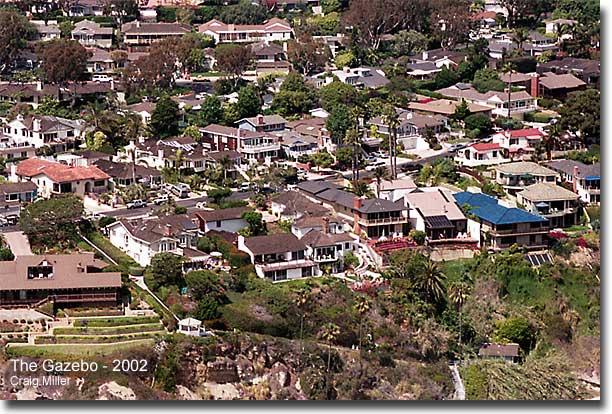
{"type": "Point", "coordinates": [107, 322]}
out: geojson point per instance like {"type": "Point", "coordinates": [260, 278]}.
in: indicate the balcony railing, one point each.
{"type": "Point", "coordinates": [519, 231]}
{"type": "Point", "coordinates": [260, 148]}
{"type": "Point", "coordinates": [387, 220]}
{"type": "Point", "coordinates": [85, 297]}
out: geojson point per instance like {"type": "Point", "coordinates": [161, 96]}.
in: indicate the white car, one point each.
{"type": "Point", "coordinates": [101, 78]}
{"type": "Point", "coordinates": [201, 205]}
{"type": "Point", "coordinates": [375, 165]}
{"type": "Point", "coordinates": [161, 199]}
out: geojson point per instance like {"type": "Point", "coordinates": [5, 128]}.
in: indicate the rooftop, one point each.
{"type": "Point", "coordinates": [524, 167]}
{"type": "Point", "coordinates": [57, 172]}
{"type": "Point", "coordinates": [274, 243]}
{"type": "Point", "coordinates": [488, 208]}
{"type": "Point", "coordinates": [547, 192]}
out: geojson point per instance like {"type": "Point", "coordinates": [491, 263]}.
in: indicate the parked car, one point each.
{"type": "Point", "coordinates": [101, 78]}
{"type": "Point", "coordinates": [181, 191]}
{"type": "Point", "coordinates": [161, 199]}
{"type": "Point", "coordinates": [136, 204]}
{"type": "Point", "coordinates": [3, 222]}
{"type": "Point", "coordinates": [246, 186]}
{"type": "Point", "coordinates": [94, 216]}
{"type": "Point", "coordinates": [202, 204]}
{"type": "Point", "coordinates": [265, 190]}
{"type": "Point", "coordinates": [375, 165]}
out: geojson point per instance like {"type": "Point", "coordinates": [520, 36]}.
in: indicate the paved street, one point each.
{"type": "Point", "coordinates": [189, 203]}
{"type": "Point", "coordinates": [18, 242]}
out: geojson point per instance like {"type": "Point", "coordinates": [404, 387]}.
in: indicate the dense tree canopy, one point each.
{"type": "Point", "coordinates": [164, 119]}
{"type": "Point", "coordinates": [52, 221]}
{"type": "Point", "coordinates": [16, 30]}
{"type": "Point", "coordinates": [64, 60]}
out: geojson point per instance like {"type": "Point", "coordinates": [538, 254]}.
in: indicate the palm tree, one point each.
{"type": "Point", "coordinates": [381, 173]}
{"type": "Point", "coordinates": [362, 306]}
{"type": "Point", "coordinates": [457, 294]}
{"type": "Point", "coordinates": [94, 114]}
{"type": "Point", "coordinates": [392, 121]}
{"type": "Point", "coordinates": [431, 281]}
{"type": "Point", "coordinates": [353, 139]}
{"type": "Point", "coordinates": [301, 299]}
{"type": "Point", "coordinates": [509, 68]}
{"type": "Point", "coordinates": [520, 35]}
{"type": "Point", "coordinates": [361, 189]}
{"type": "Point", "coordinates": [329, 333]}
{"type": "Point", "coordinates": [555, 131]}
{"type": "Point", "coordinates": [225, 163]}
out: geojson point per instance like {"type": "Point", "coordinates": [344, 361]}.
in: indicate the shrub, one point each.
{"type": "Point", "coordinates": [418, 236]}
{"type": "Point", "coordinates": [135, 271]}
{"type": "Point", "coordinates": [105, 221]}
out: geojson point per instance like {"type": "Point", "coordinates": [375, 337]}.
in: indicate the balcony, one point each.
{"type": "Point", "coordinates": [516, 232]}
{"type": "Point", "coordinates": [289, 264]}
{"type": "Point", "coordinates": [255, 149]}
{"type": "Point", "coordinates": [86, 297]}
{"type": "Point", "coordinates": [387, 220]}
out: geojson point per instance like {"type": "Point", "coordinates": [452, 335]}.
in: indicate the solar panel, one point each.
{"type": "Point", "coordinates": [438, 222]}
{"type": "Point", "coordinates": [538, 259]}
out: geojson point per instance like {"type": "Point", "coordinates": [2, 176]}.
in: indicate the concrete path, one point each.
{"type": "Point", "coordinates": [459, 390]}
{"type": "Point", "coordinates": [19, 243]}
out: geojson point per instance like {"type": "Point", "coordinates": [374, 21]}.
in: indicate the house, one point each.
{"type": "Point", "coordinates": [225, 219]}
{"type": "Point", "coordinates": [91, 34]}
{"type": "Point", "coordinates": [279, 257]}
{"type": "Point", "coordinates": [411, 128]}
{"type": "Point", "coordinates": [327, 248]}
{"type": "Point", "coordinates": [559, 205]}
{"type": "Point", "coordinates": [295, 145]}
{"type": "Point", "coordinates": [100, 61]}
{"type": "Point", "coordinates": [498, 226]}
{"type": "Point", "coordinates": [75, 279]}
{"type": "Point", "coordinates": [251, 145]}
{"type": "Point", "coordinates": [394, 190]}
{"type": "Point", "coordinates": [263, 123]}
{"type": "Point", "coordinates": [518, 143]}
{"type": "Point", "coordinates": [515, 176]}
{"type": "Point", "coordinates": [144, 110]}
{"type": "Point", "coordinates": [191, 327]}
{"type": "Point", "coordinates": [485, 20]}
{"type": "Point", "coordinates": [441, 58]}
{"type": "Point", "coordinates": [53, 178]}
{"type": "Point", "coordinates": [520, 101]}
{"type": "Point", "coordinates": [123, 174]}
{"type": "Point", "coordinates": [586, 69]}
{"type": "Point", "coordinates": [585, 180]}
{"type": "Point", "coordinates": [422, 70]}
{"type": "Point", "coordinates": [538, 44]}
{"type": "Point", "coordinates": [373, 217]}
{"type": "Point", "coordinates": [143, 238]}
{"type": "Point", "coordinates": [44, 130]}
{"type": "Point", "coordinates": [139, 35]}
{"type": "Point", "coordinates": [268, 52]}
{"type": "Point", "coordinates": [306, 223]}
{"type": "Point", "coordinates": [274, 29]}
{"type": "Point", "coordinates": [82, 158]}
{"type": "Point", "coordinates": [437, 214]}
{"type": "Point", "coordinates": [22, 192]}
{"type": "Point", "coordinates": [361, 77]}
{"type": "Point", "coordinates": [291, 205]}
{"type": "Point", "coordinates": [46, 30]}
{"type": "Point", "coordinates": [313, 128]}
{"type": "Point", "coordinates": [475, 155]}
{"type": "Point", "coordinates": [506, 352]}
{"type": "Point", "coordinates": [551, 85]}
{"type": "Point", "coordinates": [445, 107]}
{"type": "Point", "coordinates": [15, 153]}
{"type": "Point", "coordinates": [81, 8]}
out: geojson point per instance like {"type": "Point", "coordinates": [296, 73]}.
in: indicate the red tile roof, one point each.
{"type": "Point", "coordinates": [57, 172]}
{"type": "Point", "coordinates": [486, 147]}
{"type": "Point", "coordinates": [526, 133]}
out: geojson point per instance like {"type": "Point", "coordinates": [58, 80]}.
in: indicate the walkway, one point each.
{"type": "Point", "coordinates": [459, 390]}
{"type": "Point", "coordinates": [19, 243]}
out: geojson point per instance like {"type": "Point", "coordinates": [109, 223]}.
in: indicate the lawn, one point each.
{"type": "Point", "coordinates": [90, 330]}
{"type": "Point", "coordinates": [110, 322]}
{"type": "Point", "coordinates": [97, 339]}
{"type": "Point", "coordinates": [454, 269]}
{"type": "Point", "coordinates": [125, 261]}
{"type": "Point", "coordinates": [76, 351]}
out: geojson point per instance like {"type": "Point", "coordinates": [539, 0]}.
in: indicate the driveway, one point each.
{"type": "Point", "coordinates": [18, 242]}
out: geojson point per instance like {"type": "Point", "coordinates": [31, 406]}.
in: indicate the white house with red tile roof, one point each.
{"type": "Point", "coordinates": [481, 154]}
{"type": "Point", "coordinates": [55, 178]}
{"type": "Point", "coordinates": [519, 142]}
{"type": "Point", "coordinates": [273, 29]}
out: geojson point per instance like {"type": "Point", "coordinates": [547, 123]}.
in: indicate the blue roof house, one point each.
{"type": "Point", "coordinates": [500, 227]}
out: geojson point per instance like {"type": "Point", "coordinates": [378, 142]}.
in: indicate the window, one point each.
{"type": "Point", "coordinates": [347, 246]}
{"type": "Point", "coordinates": [306, 271]}
{"type": "Point", "coordinates": [99, 183]}
{"type": "Point", "coordinates": [218, 223]}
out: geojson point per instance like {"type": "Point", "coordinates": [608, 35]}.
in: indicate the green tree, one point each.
{"type": "Point", "coordinates": [52, 221]}
{"type": "Point", "coordinates": [362, 306]}
{"type": "Point", "coordinates": [338, 122]}
{"type": "Point", "coordinates": [192, 131]}
{"type": "Point", "coordinates": [462, 111]}
{"type": "Point", "coordinates": [329, 333]}
{"type": "Point", "coordinates": [345, 59]}
{"type": "Point", "coordinates": [581, 115]}
{"type": "Point", "coordinates": [249, 103]}
{"type": "Point", "coordinates": [166, 270]}
{"type": "Point", "coordinates": [301, 300]}
{"type": "Point", "coordinates": [487, 80]}
{"type": "Point", "coordinates": [307, 54]}
{"type": "Point", "coordinates": [211, 112]}
{"type": "Point", "coordinates": [202, 284]}
{"type": "Point", "coordinates": [233, 59]}
{"type": "Point", "coordinates": [391, 118]}
{"type": "Point", "coordinates": [361, 189]}
{"type": "Point", "coordinates": [164, 119]}
{"type": "Point", "coordinates": [517, 330]}
{"type": "Point", "coordinates": [479, 123]}
{"type": "Point", "coordinates": [458, 293]}
{"type": "Point", "coordinates": [219, 194]}
{"type": "Point", "coordinates": [409, 42]}
{"type": "Point", "coordinates": [255, 222]}
{"type": "Point", "coordinates": [16, 31]}
{"type": "Point", "coordinates": [381, 174]}
{"type": "Point", "coordinates": [337, 93]}
{"type": "Point", "coordinates": [446, 77]}
{"type": "Point", "coordinates": [330, 6]}
{"type": "Point", "coordinates": [322, 159]}
{"type": "Point", "coordinates": [63, 60]}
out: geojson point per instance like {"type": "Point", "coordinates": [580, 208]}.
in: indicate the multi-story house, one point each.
{"type": "Point", "coordinates": [274, 29]}
{"type": "Point", "coordinates": [86, 8]}
{"type": "Point", "coordinates": [499, 227]}
{"type": "Point", "coordinates": [226, 219]}
{"type": "Point", "coordinates": [253, 146]}
{"type": "Point", "coordinates": [46, 30]}
{"type": "Point", "coordinates": [142, 239]}
{"type": "Point", "coordinates": [166, 153]}
{"type": "Point", "coordinates": [125, 174]}
{"type": "Point", "coordinates": [91, 34]}
{"type": "Point", "coordinates": [373, 217]}
{"type": "Point", "coordinates": [291, 205]}
{"type": "Point", "coordinates": [518, 143]}
{"type": "Point", "coordinates": [411, 127]}
{"type": "Point", "coordinates": [306, 223]}
{"type": "Point", "coordinates": [64, 279]}
{"type": "Point", "coordinates": [44, 130]}
{"type": "Point", "coordinates": [437, 214]}
{"type": "Point", "coordinates": [22, 192]}
{"type": "Point", "coordinates": [520, 101]}
{"type": "Point", "coordinates": [53, 178]}
{"type": "Point", "coordinates": [263, 123]}
{"type": "Point", "coordinates": [515, 176]}
{"type": "Point", "coordinates": [478, 154]}
{"type": "Point", "coordinates": [584, 179]}
{"type": "Point", "coordinates": [139, 36]}
{"type": "Point", "coordinates": [328, 248]}
{"type": "Point", "coordinates": [559, 205]}
{"type": "Point", "coordinates": [279, 257]}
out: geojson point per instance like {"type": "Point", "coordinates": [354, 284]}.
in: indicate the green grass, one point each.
{"type": "Point", "coordinates": [73, 352]}
{"type": "Point", "coordinates": [108, 330]}
{"type": "Point", "coordinates": [577, 227]}
{"type": "Point", "coordinates": [458, 141]}
{"type": "Point", "coordinates": [110, 322]}
{"type": "Point", "coordinates": [594, 212]}
{"type": "Point", "coordinates": [124, 261]}
{"type": "Point", "coordinates": [97, 339]}
{"type": "Point", "coordinates": [454, 269]}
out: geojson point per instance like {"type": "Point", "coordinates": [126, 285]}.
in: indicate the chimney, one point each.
{"type": "Point", "coordinates": [326, 225]}
{"type": "Point", "coordinates": [346, 69]}
{"type": "Point", "coordinates": [137, 23]}
{"type": "Point", "coordinates": [260, 119]}
{"type": "Point", "coordinates": [535, 85]}
{"type": "Point", "coordinates": [575, 181]}
{"type": "Point", "coordinates": [141, 139]}
{"type": "Point", "coordinates": [160, 153]}
{"type": "Point", "coordinates": [112, 84]}
{"type": "Point", "coordinates": [39, 86]}
{"type": "Point", "coordinates": [425, 55]}
{"type": "Point", "coordinates": [357, 203]}
{"type": "Point", "coordinates": [36, 125]}
{"type": "Point", "coordinates": [168, 231]}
